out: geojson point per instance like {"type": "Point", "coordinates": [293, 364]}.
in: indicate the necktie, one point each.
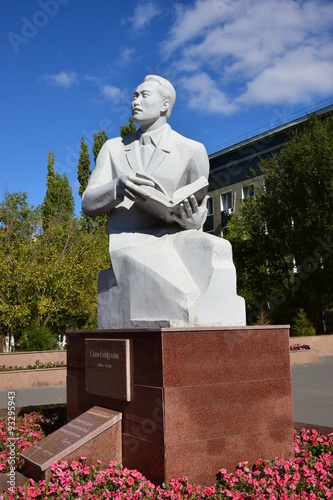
{"type": "Point", "coordinates": [146, 150]}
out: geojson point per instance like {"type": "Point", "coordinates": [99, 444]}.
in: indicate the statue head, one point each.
{"type": "Point", "coordinates": [165, 89]}
{"type": "Point", "coordinates": [153, 101]}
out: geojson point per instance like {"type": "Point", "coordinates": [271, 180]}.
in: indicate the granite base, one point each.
{"type": "Point", "coordinates": [10, 481]}
{"type": "Point", "coordinates": [201, 398]}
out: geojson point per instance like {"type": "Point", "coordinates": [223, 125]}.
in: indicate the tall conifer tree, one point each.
{"type": "Point", "coordinates": [99, 140]}
{"type": "Point", "coordinates": [128, 129]}
{"type": "Point", "coordinates": [58, 201]}
{"type": "Point", "coordinates": [83, 167]}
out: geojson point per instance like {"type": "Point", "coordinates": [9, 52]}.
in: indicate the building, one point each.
{"type": "Point", "coordinates": [231, 180]}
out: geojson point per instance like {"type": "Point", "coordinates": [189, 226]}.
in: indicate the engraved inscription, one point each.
{"type": "Point", "coordinates": [70, 437]}
{"type": "Point", "coordinates": [107, 368]}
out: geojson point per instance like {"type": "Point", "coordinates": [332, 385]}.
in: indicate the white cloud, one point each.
{"type": "Point", "coordinates": [126, 55]}
{"type": "Point", "coordinates": [62, 79]}
{"type": "Point", "coordinates": [93, 79]}
{"type": "Point", "coordinates": [192, 23]}
{"type": "Point", "coordinates": [143, 14]}
{"type": "Point", "coordinates": [110, 92]}
{"type": "Point", "coordinates": [280, 51]}
{"type": "Point", "coordinates": [203, 94]}
{"type": "Point", "coordinates": [299, 76]}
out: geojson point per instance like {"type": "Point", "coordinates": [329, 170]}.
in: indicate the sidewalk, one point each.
{"type": "Point", "coordinates": [35, 396]}
{"type": "Point", "coordinates": [312, 388]}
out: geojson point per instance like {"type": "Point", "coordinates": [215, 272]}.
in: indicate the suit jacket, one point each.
{"type": "Point", "coordinates": [175, 162]}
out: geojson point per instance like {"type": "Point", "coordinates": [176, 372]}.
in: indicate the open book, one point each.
{"type": "Point", "coordinates": [161, 204]}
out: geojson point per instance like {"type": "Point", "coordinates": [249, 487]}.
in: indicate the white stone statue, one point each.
{"type": "Point", "coordinates": [164, 270]}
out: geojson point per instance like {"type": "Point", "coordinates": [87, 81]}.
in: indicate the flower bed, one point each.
{"type": "Point", "coordinates": [19, 358]}
{"type": "Point", "coordinates": [38, 365]}
{"type": "Point", "coordinates": [302, 353]}
{"type": "Point", "coordinates": [308, 476]}
{"type": "Point", "coordinates": [298, 347]}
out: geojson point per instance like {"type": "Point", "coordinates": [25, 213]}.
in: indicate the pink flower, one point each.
{"type": "Point", "coordinates": [189, 488]}
{"type": "Point", "coordinates": [74, 465]}
{"type": "Point", "coordinates": [130, 481]}
{"type": "Point", "coordinates": [209, 491]}
{"type": "Point", "coordinates": [137, 475]}
{"type": "Point", "coordinates": [85, 470]}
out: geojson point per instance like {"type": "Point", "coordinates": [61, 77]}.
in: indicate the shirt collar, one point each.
{"type": "Point", "coordinates": [155, 135]}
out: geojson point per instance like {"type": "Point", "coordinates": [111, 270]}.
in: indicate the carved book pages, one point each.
{"type": "Point", "coordinates": [160, 203]}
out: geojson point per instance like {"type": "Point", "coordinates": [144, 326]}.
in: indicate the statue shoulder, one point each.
{"type": "Point", "coordinates": [186, 142]}
{"type": "Point", "coordinates": [119, 141]}
{"type": "Point", "coordinates": [128, 139]}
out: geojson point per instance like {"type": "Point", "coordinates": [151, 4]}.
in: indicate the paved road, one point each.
{"type": "Point", "coordinates": [35, 396]}
{"type": "Point", "coordinates": [312, 387]}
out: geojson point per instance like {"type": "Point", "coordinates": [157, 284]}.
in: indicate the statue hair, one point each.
{"type": "Point", "coordinates": [167, 91]}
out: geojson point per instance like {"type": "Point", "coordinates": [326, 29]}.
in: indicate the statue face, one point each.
{"type": "Point", "coordinates": [147, 103]}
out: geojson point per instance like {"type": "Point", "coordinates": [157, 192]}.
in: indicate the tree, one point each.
{"type": "Point", "coordinates": [58, 201]}
{"type": "Point", "coordinates": [83, 168]}
{"type": "Point", "coordinates": [302, 326]}
{"type": "Point", "coordinates": [99, 139]}
{"type": "Point", "coordinates": [128, 129]}
{"type": "Point", "coordinates": [37, 338]}
{"type": "Point", "coordinates": [83, 175]}
{"type": "Point", "coordinates": [47, 276]}
{"type": "Point", "coordinates": [282, 240]}
{"type": "Point", "coordinates": [19, 226]}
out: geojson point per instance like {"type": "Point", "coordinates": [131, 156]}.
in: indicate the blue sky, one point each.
{"type": "Point", "coordinates": [69, 67]}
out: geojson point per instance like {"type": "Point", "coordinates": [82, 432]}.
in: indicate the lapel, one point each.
{"type": "Point", "coordinates": [132, 151]}
{"type": "Point", "coordinates": [161, 150]}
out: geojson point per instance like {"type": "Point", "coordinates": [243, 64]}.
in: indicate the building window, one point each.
{"type": "Point", "coordinates": [226, 208]}
{"type": "Point", "coordinates": [210, 206]}
{"type": "Point", "coordinates": [227, 202]}
{"type": "Point", "coordinates": [247, 191]}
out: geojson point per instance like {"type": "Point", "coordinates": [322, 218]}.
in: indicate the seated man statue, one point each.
{"type": "Point", "coordinates": [164, 270]}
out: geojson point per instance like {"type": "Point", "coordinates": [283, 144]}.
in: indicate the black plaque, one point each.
{"type": "Point", "coordinates": [108, 368]}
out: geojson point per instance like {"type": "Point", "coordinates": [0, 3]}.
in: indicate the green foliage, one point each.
{"type": "Point", "coordinates": [99, 139]}
{"type": "Point", "coordinates": [289, 224]}
{"type": "Point", "coordinates": [83, 168]}
{"type": "Point", "coordinates": [302, 326]}
{"type": "Point", "coordinates": [20, 225]}
{"type": "Point", "coordinates": [37, 338]}
{"type": "Point", "coordinates": [58, 201]}
{"type": "Point", "coordinates": [128, 129]}
{"type": "Point", "coordinates": [47, 277]}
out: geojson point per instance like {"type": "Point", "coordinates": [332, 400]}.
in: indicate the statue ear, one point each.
{"type": "Point", "coordinates": [165, 105]}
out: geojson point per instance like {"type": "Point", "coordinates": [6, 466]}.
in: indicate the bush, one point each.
{"type": "Point", "coordinates": [38, 338]}
{"type": "Point", "coordinates": [302, 326]}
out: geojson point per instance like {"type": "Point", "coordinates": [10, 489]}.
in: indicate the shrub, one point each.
{"type": "Point", "coordinates": [262, 318]}
{"type": "Point", "coordinates": [38, 338]}
{"type": "Point", "coordinates": [302, 326]}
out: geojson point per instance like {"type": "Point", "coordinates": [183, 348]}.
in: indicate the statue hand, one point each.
{"type": "Point", "coordinates": [191, 215]}
{"type": "Point", "coordinates": [131, 186]}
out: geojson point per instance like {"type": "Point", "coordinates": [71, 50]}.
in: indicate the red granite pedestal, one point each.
{"type": "Point", "coordinates": [200, 399]}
